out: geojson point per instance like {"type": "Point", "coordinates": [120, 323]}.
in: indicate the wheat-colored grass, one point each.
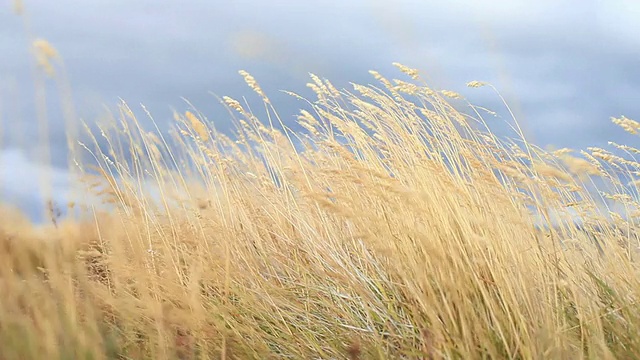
{"type": "Point", "coordinates": [395, 226]}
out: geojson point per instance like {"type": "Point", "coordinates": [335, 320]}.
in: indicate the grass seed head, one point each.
{"type": "Point", "coordinates": [198, 126]}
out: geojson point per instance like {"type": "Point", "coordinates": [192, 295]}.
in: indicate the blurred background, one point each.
{"type": "Point", "coordinates": [564, 67]}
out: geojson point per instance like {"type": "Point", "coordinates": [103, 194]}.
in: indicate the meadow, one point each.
{"type": "Point", "coordinates": [394, 225]}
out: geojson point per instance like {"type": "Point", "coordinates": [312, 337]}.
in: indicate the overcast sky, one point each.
{"type": "Point", "coordinates": [566, 67]}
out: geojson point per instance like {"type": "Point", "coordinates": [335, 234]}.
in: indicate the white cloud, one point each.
{"type": "Point", "coordinates": [567, 63]}
{"type": "Point", "coordinates": [28, 184]}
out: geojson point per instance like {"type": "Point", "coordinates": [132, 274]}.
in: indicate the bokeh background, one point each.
{"type": "Point", "coordinates": [564, 67]}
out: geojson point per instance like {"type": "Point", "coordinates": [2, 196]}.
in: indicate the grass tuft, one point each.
{"type": "Point", "coordinates": [393, 226]}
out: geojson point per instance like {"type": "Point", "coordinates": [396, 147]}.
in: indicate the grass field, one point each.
{"type": "Point", "coordinates": [394, 226]}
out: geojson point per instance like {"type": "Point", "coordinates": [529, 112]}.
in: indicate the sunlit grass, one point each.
{"type": "Point", "coordinates": [393, 226]}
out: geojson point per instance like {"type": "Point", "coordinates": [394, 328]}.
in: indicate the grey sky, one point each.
{"type": "Point", "coordinates": [564, 66]}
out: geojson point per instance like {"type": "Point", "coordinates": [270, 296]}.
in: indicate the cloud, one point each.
{"type": "Point", "coordinates": [30, 185]}
{"type": "Point", "coordinates": [564, 66]}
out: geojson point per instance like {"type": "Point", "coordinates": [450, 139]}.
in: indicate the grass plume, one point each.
{"type": "Point", "coordinates": [395, 226]}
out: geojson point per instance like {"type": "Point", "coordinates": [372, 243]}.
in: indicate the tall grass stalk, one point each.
{"type": "Point", "coordinates": [394, 226]}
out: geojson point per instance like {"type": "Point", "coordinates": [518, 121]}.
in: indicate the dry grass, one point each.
{"type": "Point", "coordinates": [394, 227]}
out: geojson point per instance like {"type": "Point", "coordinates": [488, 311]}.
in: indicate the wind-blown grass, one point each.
{"type": "Point", "coordinates": [395, 226]}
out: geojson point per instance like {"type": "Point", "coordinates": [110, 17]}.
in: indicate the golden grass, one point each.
{"type": "Point", "coordinates": [395, 226]}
